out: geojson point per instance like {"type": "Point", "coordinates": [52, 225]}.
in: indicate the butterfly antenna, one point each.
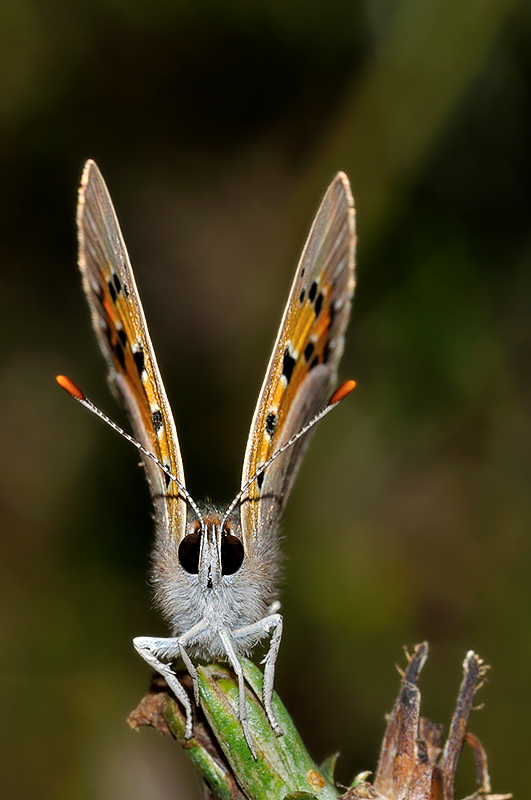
{"type": "Point", "coordinates": [75, 392]}
{"type": "Point", "coordinates": [340, 394]}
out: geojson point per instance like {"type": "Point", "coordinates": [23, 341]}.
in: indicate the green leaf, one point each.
{"type": "Point", "coordinates": [361, 777]}
{"type": "Point", "coordinates": [283, 766]}
{"type": "Point", "coordinates": [328, 767]}
{"type": "Point", "coordinates": [217, 775]}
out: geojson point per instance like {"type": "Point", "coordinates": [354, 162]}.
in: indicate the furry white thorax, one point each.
{"type": "Point", "coordinates": [220, 601]}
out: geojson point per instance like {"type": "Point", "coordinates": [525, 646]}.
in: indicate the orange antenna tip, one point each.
{"type": "Point", "coordinates": [342, 392]}
{"type": "Point", "coordinates": [70, 387]}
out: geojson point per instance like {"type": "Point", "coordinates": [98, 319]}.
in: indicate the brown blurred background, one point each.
{"type": "Point", "coordinates": [218, 124]}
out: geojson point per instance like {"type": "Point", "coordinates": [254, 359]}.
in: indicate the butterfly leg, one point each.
{"type": "Point", "coordinates": [150, 648]}
{"type": "Point", "coordinates": [192, 671]}
{"type": "Point", "coordinates": [153, 649]}
{"type": "Point", "coordinates": [237, 667]}
{"type": "Point", "coordinates": [262, 628]}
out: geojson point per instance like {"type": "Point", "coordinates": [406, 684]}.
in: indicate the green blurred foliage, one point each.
{"type": "Point", "coordinates": [217, 126]}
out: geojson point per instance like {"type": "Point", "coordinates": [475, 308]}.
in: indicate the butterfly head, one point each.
{"type": "Point", "coordinates": [211, 549]}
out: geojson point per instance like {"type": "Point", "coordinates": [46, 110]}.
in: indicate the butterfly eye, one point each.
{"type": "Point", "coordinates": [189, 552]}
{"type": "Point", "coordinates": [231, 554]}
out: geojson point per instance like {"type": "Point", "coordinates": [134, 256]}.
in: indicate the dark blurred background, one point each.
{"type": "Point", "coordinates": [218, 124]}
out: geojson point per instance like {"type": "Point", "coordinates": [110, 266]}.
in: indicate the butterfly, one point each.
{"type": "Point", "coordinates": [215, 572]}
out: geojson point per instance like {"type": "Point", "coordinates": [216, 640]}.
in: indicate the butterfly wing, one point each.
{"type": "Point", "coordinates": [120, 326]}
{"type": "Point", "coordinates": [302, 371]}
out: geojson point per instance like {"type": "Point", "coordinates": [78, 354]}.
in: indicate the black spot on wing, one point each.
{"type": "Point", "coordinates": [117, 283]}
{"type": "Point", "coordinates": [167, 479]}
{"type": "Point", "coordinates": [312, 292]}
{"type": "Point", "coordinates": [314, 363]}
{"type": "Point", "coordinates": [156, 418]}
{"type": "Point", "coordinates": [140, 361]}
{"type": "Point", "coordinates": [288, 365]}
{"type": "Point", "coordinates": [308, 351]}
{"type": "Point", "coordinates": [318, 304]}
{"type": "Point", "coordinates": [126, 290]}
{"type": "Point", "coordinates": [260, 479]}
{"type": "Point", "coordinates": [112, 290]}
{"type": "Point", "coordinates": [119, 353]}
{"type": "Point", "coordinates": [302, 296]}
{"type": "Point", "coordinates": [122, 336]}
{"type": "Point", "coordinates": [326, 352]}
{"type": "Point", "coordinates": [271, 423]}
